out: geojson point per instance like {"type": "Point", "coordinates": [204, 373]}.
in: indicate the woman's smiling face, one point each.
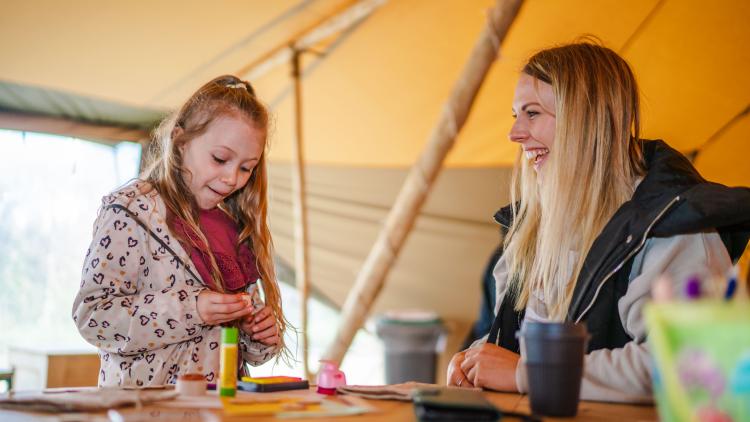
{"type": "Point", "coordinates": [220, 161]}
{"type": "Point", "coordinates": [534, 111]}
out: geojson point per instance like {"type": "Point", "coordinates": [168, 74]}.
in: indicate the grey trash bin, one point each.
{"type": "Point", "coordinates": [412, 341]}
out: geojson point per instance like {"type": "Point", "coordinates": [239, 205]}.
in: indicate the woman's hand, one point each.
{"type": "Point", "coordinates": [261, 326]}
{"type": "Point", "coordinates": [490, 366]}
{"type": "Point", "coordinates": [456, 375]}
{"type": "Point", "coordinates": [216, 308]}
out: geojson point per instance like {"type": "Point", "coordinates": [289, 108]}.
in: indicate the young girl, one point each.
{"type": "Point", "coordinates": [599, 214]}
{"type": "Point", "coordinates": [176, 254]}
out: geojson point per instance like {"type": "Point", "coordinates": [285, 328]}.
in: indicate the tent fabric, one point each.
{"type": "Point", "coordinates": [686, 57]}
{"type": "Point", "coordinates": [104, 133]}
{"type": "Point", "coordinates": [372, 98]}
{"type": "Point", "coordinates": [440, 266]}
{"type": "Point", "coordinates": [371, 95]}
{"type": "Point", "coordinates": [30, 105]}
{"type": "Point", "coordinates": [148, 54]}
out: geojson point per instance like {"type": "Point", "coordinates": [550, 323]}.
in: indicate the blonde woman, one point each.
{"type": "Point", "coordinates": [179, 253]}
{"type": "Point", "coordinates": [599, 215]}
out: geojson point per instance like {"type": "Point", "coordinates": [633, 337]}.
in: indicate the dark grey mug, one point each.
{"type": "Point", "coordinates": [553, 353]}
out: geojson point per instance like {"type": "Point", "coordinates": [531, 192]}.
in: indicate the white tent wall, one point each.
{"type": "Point", "coordinates": [441, 264]}
{"type": "Point", "coordinates": [347, 206]}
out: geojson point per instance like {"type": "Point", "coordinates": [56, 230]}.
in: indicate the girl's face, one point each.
{"type": "Point", "coordinates": [220, 161]}
{"type": "Point", "coordinates": [534, 111]}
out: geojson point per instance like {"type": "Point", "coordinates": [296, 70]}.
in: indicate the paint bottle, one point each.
{"type": "Point", "coordinates": [330, 377]}
{"type": "Point", "coordinates": [731, 288]}
{"type": "Point", "coordinates": [228, 362]}
{"type": "Point", "coordinates": [693, 289]}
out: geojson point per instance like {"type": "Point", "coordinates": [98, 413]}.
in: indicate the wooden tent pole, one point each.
{"type": "Point", "coordinates": [423, 173]}
{"type": "Point", "coordinates": [301, 262]}
{"type": "Point", "coordinates": [341, 19]}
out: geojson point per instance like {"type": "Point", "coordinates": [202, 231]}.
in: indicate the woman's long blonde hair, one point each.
{"type": "Point", "coordinates": [248, 207]}
{"type": "Point", "coordinates": [590, 172]}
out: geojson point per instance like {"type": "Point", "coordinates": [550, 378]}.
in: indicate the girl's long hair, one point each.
{"type": "Point", "coordinates": [591, 171]}
{"type": "Point", "coordinates": [248, 206]}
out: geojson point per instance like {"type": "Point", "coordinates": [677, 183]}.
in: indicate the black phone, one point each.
{"type": "Point", "coordinates": [453, 404]}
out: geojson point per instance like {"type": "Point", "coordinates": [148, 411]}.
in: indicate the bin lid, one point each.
{"type": "Point", "coordinates": [410, 317]}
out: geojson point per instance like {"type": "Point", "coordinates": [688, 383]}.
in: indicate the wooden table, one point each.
{"type": "Point", "coordinates": [394, 411]}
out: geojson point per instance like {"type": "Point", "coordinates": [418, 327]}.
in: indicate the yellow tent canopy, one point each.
{"type": "Point", "coordinates": [379, 85]}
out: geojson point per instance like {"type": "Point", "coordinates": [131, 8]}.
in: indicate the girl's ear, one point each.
{"type": "Point", "coordinates": [177, 131]}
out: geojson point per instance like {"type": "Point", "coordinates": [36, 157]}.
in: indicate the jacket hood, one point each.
{"type": "Point", "coordinates": [140, 199]}
{"type": "Point", "coordinates": [702, 206]}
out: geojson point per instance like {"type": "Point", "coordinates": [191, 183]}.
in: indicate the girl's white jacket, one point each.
{"type": "Point", "coordinates": [137, 299]}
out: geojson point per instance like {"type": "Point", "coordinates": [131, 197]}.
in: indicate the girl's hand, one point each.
{"type": "Point", "coordinates": [491, 366]}
{"type": "Point", "coordinates": [456, 375]}
{"type": "Point", "coordinates": [261, 327]}
{"type": "Point", "coordinates": [216, 308]}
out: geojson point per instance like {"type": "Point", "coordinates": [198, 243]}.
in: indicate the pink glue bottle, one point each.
{"type": "Point", "coordinates": [329, 377]}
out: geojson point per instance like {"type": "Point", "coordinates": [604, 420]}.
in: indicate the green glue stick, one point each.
{"type": "Point", "coordinates": [228, 362]}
